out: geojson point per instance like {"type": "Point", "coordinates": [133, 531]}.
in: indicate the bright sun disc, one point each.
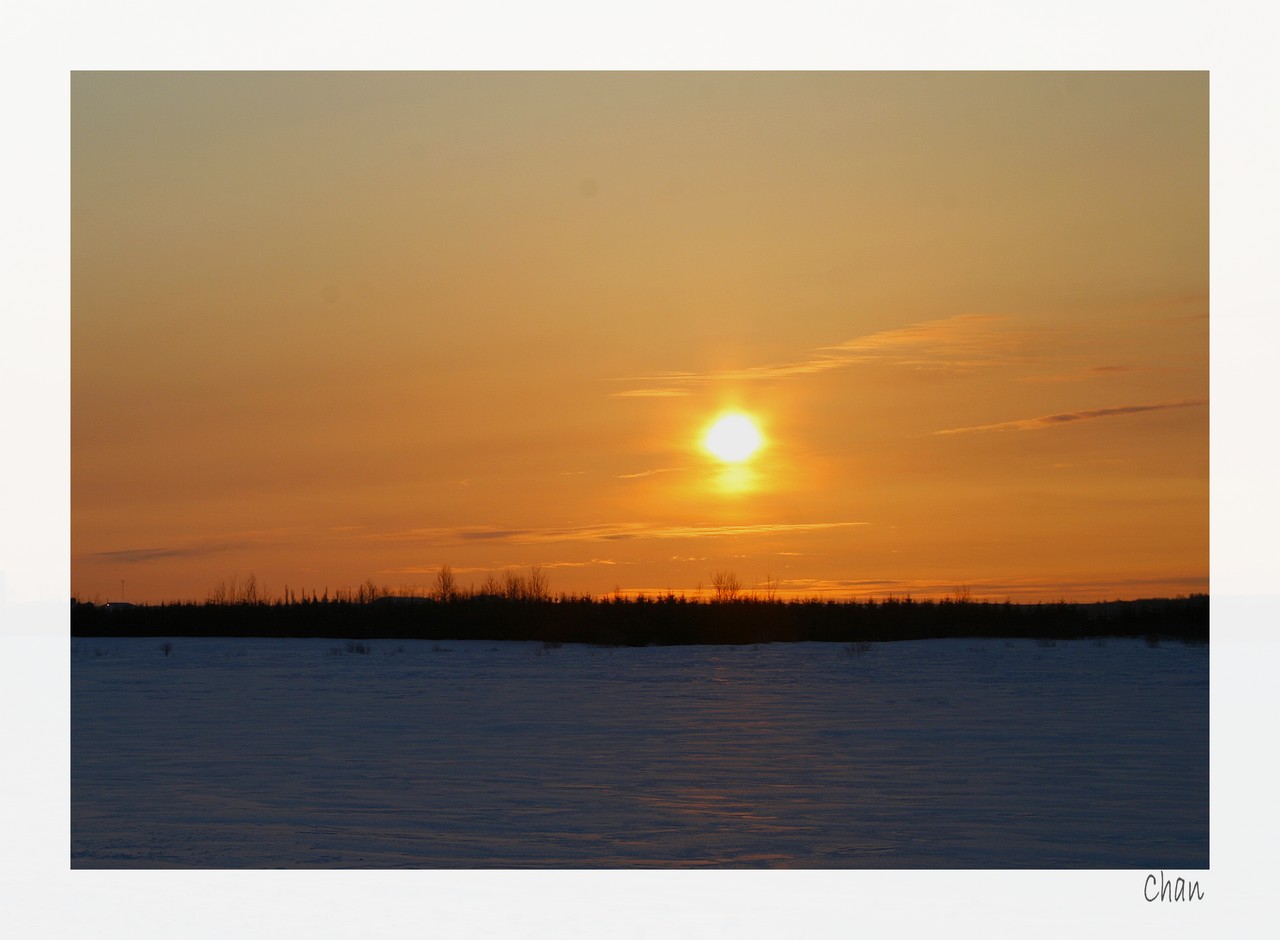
{"type": "Point", "coordinates": [733, 438]}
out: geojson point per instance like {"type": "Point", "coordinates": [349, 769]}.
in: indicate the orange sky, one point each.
{"type": "Point", "coordinates": [336, 327]}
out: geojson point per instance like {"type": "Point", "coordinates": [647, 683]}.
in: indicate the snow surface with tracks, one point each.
{"type": "Point", "coordinates": [300, 753]}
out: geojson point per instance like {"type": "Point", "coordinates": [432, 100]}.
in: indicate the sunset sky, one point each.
{"type": "Point", "coordinates": [336, 327]}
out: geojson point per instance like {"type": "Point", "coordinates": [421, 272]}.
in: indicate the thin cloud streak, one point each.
{"type": "Point", "coordinates": [133, 556]}
{"type": "Point", "coordinates": [964, 340]}
{"type": "Point", "coordinates": [137, 555]}
{"type": "Point", "coordinates": [489, 569]}
{"type": "Point", "coordinates": [231, 542]}
{"type": "Point", "coordinates": [958, 343]}
{"type": "Point", "coordinates": [649, 473]}
{"type": "Point", "coordinates": [607, 532]}
{"type": "Point", "coordinates": [653, 393]}
{"type": "Point", "coordinates": [576, 564]}
{"type": "Point", "coordinates": [1049, 421]}
{"type": "Point", "coordinates": [1084, 375]}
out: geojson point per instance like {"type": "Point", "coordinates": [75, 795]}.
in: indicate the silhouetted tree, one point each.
{"type": "Point", "coordinates": [726, 586]}
{"type": "Point", "coordinates": [770, 589]}
{"type": "Point", "coordinates": [446, 587]}
{"type": "Point", "coordinates": [234, 591]}
{"type": "Point", "coordinates": [536, 586]}
{"type": "Point", "coordinates": [369, 592]}
{"type": "Point", "coordinates": [252, 592]}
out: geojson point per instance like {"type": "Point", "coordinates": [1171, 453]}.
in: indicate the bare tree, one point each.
{"type": "Point", "coordinates": [536, 586]}
{"type": "Point", "coordinates": [446, 587]}
{"type": "Point", "coordinates": [726, 586]}
{"type": "Point", "coordinates": [225, 592]}
{"type": "Point", "coordinates": [369, 592]}
{"type": "Point", "coordinates": [770, 589]}
{"type": "Point", "coordinates": [252, 592]}
{"type": "Point", "coordinates": [517, 587]}
{"type": "Point", "coordinates": [235, 591]}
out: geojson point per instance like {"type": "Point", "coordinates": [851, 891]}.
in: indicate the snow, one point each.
{"type": "Point", "coordinates": [295, 753]}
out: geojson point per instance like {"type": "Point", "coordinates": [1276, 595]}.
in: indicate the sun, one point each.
{"type": "Point", "coordinates": [733, 438]}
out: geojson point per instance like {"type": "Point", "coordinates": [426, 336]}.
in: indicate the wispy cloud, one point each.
{"type": "Point", "coordinates": [958, 343]}
{"type": "Point", "coordinates": [136, 555]}
{"type": "Point", "coordinates": [653, 393]}
{"type": "Point", "coordinates": [140, 555]}
{"type": "Point", "coordinates": [1102, 370]}
{"type": "Point", "coordinates": [1049, 421]}
{"type": "Point", "coordinates": [1083, 375]}
{"type": "Point", "coordinates": [577, 564]}
{"type": "Point", "coordinates": [497, 535]}
{"type": "Point", "coordinates": [606, 532]}
{"type": "Point", "coordinates": [489, 569]}
{"type": "Point", "coordinates": [843, 584]}
{"type": "Point", "coordinates": [961, 342]}
{"type": "Point", "coordinates": [649, 473]}
{"type": "Point", "coordinates": [224, 543]}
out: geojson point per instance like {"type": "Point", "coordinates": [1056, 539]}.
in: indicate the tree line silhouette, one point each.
{"type": "Point", "coordinates": [522, 607]}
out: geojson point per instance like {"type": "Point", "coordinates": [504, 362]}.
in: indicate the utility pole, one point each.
{"type": "Point", "coordinates": [122, 590]}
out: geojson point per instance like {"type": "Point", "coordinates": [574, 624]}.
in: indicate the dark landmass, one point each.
{"type": "Point", "coordinates": [668, 620]}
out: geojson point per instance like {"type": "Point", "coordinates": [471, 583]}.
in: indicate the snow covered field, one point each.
{"type": "Point", "coordinates": [933, 754]}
